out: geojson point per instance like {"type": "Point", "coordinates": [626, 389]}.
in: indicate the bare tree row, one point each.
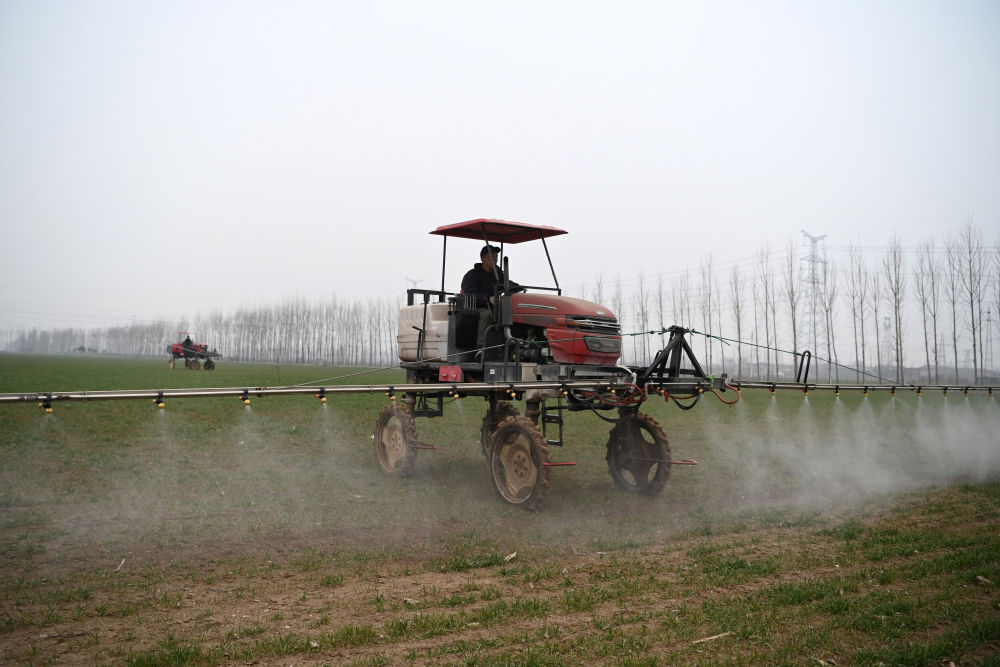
{"type": "Point", "coordinates": [908, 315]}
{"type": "Point", "coordinates": [334, 331]}
{"type": "Point", "coordinates": [919, 314]}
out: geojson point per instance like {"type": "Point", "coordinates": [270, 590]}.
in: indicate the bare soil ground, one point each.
{"type": "Point", "coordinates": [293, 601]}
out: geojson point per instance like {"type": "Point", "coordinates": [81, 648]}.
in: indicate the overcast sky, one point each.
{"type": "Point", "coordinates": [164, 159]}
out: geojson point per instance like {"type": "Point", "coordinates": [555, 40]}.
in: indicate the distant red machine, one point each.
{"type": "Point", "coordinates": [192, 353]}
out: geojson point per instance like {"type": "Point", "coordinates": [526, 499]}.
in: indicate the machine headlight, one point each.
{"type": "Point", "coordinates": [600, 344]}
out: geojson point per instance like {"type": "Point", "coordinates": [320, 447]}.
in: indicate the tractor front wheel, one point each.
{"type": "Point", "coordinates": [518, 458]}
{"type": "Point", "coordinates": [639, 455]}
{"type": "Point", "coordinates": [491, 420]}
{"type": "Point", "coordinates": [209, 365]}
{"type": "Point", "coordinates": [395, 435]}
{"type": "Point", "coordinates": [194, 364]}
{"type": "Point", "coordinates": [170, 364]}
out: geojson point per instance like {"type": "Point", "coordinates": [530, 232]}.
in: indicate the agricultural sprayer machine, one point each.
{"type": "Point", "coordinates": [556, 353]}
{"type": "Point", "coordinates": [194, 354]}
{"type": "Point", "coordinates": [516, 344]}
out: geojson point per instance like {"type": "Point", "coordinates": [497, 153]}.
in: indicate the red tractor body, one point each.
{"type": "Point", "coordinates": [196, 349]}
{"type": "Point", "coordinates": [193, 354]}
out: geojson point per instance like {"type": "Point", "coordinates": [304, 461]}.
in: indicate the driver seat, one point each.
{"type": "Point", "coordinates": [464, 322]}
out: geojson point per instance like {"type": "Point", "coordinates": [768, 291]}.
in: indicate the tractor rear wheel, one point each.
{"type": "Point", "coordinates": [518, 458]}
{"type": "Point", "coordinates": [209, 365]}
{"type": "Point", "coordinates": [639, 455]}
{"type": "Point", "coordinates": [491, 420]}
{"type": "Point", "coordinates": [170, 364]}
{"type": "Point", "coordinates": [395, 435]}
{"type": "Point", "coordinates": [194, 364]}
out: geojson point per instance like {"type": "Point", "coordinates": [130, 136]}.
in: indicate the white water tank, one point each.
{"type": "Point", "coordinates": [435, 332]}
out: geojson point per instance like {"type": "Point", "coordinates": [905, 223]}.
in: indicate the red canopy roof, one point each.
{"type": "Point", "coordinates": [503, 231]}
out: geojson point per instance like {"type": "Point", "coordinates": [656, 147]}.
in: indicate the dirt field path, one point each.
{"type": "Point", "coordinates": [828, 591]}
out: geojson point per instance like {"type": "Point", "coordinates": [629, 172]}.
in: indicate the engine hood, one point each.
{"type": "Point", "coordinates": [526, 306]}
{"type": "Point", "coordinates": [577, 331]}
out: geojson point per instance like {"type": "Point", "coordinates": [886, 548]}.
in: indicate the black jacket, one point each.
{"type": "Point", "coordinates": [482, 284]}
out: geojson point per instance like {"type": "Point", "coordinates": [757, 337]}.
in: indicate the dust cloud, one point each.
{"type": "Point", "coordinates": [273, 479]}
{"type": "Point", "coordinates": [279, 478]}
{"type": "Point", "coordinates": [816, 450]}
{"type": "Point", "coordinates": [175, 482]}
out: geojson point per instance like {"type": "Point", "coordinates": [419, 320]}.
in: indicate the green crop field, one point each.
{"type": "Point", "coordinates": [815, 530]}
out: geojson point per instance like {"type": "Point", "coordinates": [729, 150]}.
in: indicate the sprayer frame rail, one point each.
{"type": "Point", "coordinates": [433, 389]}
{"type": "Point", "coordinates": [838, 387]}
{"type": "Point", "coordinates": [461, 388]}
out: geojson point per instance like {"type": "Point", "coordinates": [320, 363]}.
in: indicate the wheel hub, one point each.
{"type": "Point", "coordinates": [393, 443]}
{"type": "Point", "coordinates": [519, 469]}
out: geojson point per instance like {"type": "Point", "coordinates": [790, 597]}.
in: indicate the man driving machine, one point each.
{"type": "Point", "coordinates": [483, 281]}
